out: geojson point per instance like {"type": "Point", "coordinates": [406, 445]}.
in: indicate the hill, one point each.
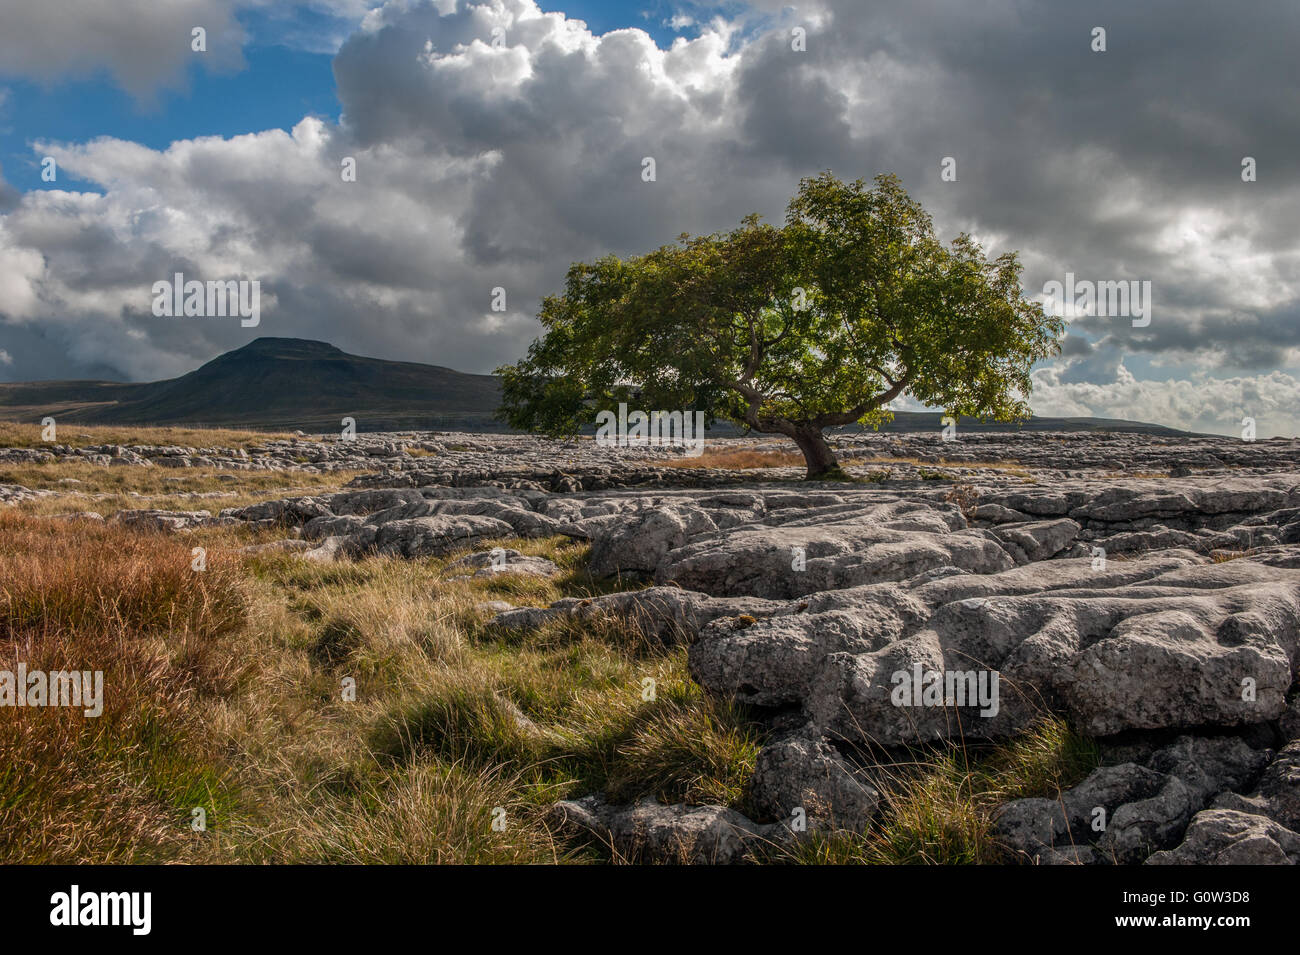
{"type": "Point", "coordinates": [275, 384]}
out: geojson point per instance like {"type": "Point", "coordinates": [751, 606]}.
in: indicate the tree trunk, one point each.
{"type": "Point", "coordinates": [816, 452]}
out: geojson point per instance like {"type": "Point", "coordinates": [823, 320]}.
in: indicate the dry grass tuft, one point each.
{"type": "Point", "coordinates": [120, 786]}
{"type": "Point", "coordinates": [737, 460]}
{"type": "Point", "coordinates": [939, 810]}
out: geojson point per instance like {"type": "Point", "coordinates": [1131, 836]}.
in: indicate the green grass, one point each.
{"type": "Point", "coordinates": [938, 810]}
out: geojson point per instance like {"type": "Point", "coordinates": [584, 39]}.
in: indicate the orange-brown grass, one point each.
{"type": "Point", "coordinates": [118, 787]}
{"type": "Point", "coordinates": [1012, 467]}
{"type": "Point", "coordinates": [737, 460]}
{"type": "Point", "coordinates": [22, 434]}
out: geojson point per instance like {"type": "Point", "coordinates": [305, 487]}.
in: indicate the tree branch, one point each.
{"type": "Point", "coordinates": [834, 419]}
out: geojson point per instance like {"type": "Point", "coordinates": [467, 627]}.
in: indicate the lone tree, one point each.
{"type": "Point", "coordinates": [790, 330]}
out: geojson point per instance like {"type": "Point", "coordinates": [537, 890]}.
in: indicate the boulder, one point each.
{"type": "Point", "coordinates": [648, 831]}
{"type": "Point", "coordinates": [490, 563]}
{"type": "Point", "coordinates": [638, 542]}
{"type": "Point", "coordinates": [1228, 837]}
{"type": "Point", "coordinates": [436, 534]}
{"type": "Point", "coordinates": [799, 773]}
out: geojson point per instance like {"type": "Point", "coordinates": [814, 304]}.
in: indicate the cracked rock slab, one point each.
{"type": "Point", "coordinates": [669, 614]}
{"type": "Point", "coordinates": [1123, 813]}
{"type": "Point", "coordinates": [437, 534]}
{"type": "Point", "coordinates": [793, 560]}
{"type": "Point", "coordinates": [1157, 644]}
{"type": "Point", "coordinates": [652, 832]}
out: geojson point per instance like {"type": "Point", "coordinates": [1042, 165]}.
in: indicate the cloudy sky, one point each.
{"type": "Point", "coordinates": [496, 142]}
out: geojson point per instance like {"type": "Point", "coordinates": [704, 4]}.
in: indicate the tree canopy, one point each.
{"type": "Point", "coordinates": [790, 330]}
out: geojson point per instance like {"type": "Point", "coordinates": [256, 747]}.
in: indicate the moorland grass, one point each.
{"type": "Point", "coordinates": [118, 787]}
{"type": "Point", "coordinates": [21, 434]}
{"type": "Point", "coordinates": [85, 486]}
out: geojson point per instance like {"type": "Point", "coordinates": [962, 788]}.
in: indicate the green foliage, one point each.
{"type": "Point", "coordinates": [789, 330]}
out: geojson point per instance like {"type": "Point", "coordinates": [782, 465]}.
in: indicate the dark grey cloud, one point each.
{"type": "Point", "coordinates": [9, 196]}
{"type": "Point", "coordinates": [142, 44]}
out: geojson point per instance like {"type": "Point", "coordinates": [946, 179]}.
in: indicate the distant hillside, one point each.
{"type": "Point", "coordinates": [930, 421]}
{"type": "Point", "coordinates": [276, 383]}
{"type": "Point", "coordinates": [285, 383]}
